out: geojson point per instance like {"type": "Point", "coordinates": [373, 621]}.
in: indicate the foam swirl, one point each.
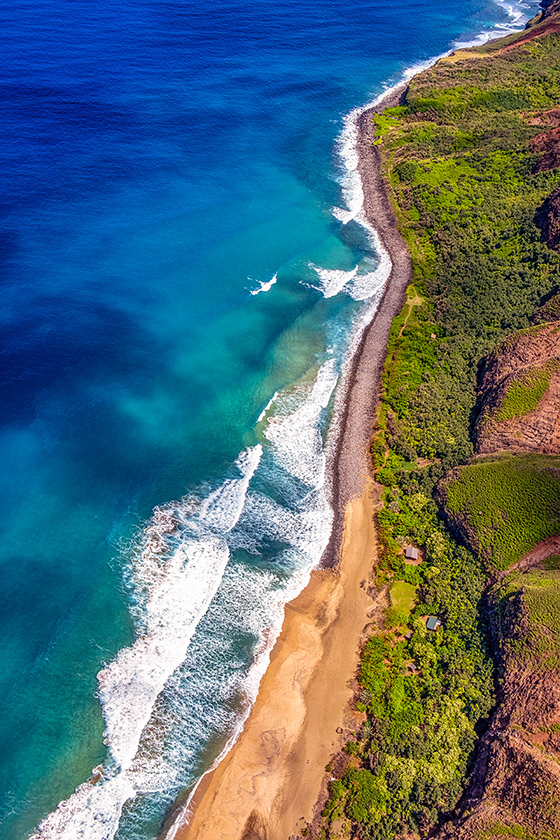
{"type": "Point", "coordinates": [177, 570]}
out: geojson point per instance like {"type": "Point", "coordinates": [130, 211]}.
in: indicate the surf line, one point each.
{"type": "Point", "coordinates": [355, 210]}
{"type": "Point", "coordinates": [93, 811]}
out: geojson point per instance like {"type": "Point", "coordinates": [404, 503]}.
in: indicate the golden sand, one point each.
{"type": "Point", "coordinates": [267, 786]}
{"type": "Point", "coordinates": [271, 778]}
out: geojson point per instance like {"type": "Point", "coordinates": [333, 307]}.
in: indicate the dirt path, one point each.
{"type": "Point", "coordinates": [540, 552]}
{"type": "Point", "coordinates": [411, 302]}
{"type": "Point", "coordinates": [544, 549]}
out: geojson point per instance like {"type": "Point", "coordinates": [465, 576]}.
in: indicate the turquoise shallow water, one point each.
{"type": "Point", "coordinates": [162, 162]}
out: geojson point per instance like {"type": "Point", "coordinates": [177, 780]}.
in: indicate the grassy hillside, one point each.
{"type": "Point", "coordinates": [461, 173]}
{"type": "Point", "coordinates": [466, 190]}
{"type": "Point", "coordinates": [503, 507]}
{"type": "Point", "coordinates": [524, 393]}
{"type": "Point", "coordinates": [537, 640]}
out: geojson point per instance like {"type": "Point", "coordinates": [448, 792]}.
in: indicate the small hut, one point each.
{"type": "Point", "coordinates": [411, 553]}
{"type": "Point", "coordinates": [433, 623]}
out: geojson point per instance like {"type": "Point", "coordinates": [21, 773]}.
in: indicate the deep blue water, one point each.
{"type": "Point", "coordinates": [160, 161]}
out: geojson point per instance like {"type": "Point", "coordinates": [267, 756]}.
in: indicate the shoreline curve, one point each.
{"type": "Point", "coordinates": [269, 781]}
{"type": "Point", "coordinates": [348, 468]}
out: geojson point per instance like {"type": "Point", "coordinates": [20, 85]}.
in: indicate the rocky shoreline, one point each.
{"type": "Point", "coordinates": [266, 787]}
{"type": "Point", "coordinates": [349, 466]}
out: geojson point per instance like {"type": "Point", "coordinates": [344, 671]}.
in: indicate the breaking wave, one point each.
{"type": "Point", "coordinates": [176, 571]}
{"type": "Point", "coordinates": [360, 283]}
{"type": "Point", "coordinates": [201, 594]}
{"type": "Point", "coordinates": [265, 285]}
{"type": "Point", "coordinates": [195, 594]}
{"type": "Point", "coordinates": [333, 281]}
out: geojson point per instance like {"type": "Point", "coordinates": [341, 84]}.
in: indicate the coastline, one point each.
{"type": "Point", "coordinates": [270, 779]}
{"type": "Point", "coordinates": [266, 786]}
{"type": "Point", "coordinates": [350, 463]}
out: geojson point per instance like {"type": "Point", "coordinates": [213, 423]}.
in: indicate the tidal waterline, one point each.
{"type": "Point", "coordinates": [164, 161]}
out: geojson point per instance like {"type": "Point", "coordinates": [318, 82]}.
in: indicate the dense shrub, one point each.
{"type": "Point", "coordinates": [458, 162]}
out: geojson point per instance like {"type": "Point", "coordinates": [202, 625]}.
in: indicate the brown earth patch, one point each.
{"type": "Point", "coordinates": [550, 118]}
{"type": "Point", "coordinates": [516, 780]}
{"type": "Point", "coordinates": [549, 311]}
{"type": "Point", "coordinates": [546, 23]}
{"type": "Point", "coordinates": [536, 431]}
{"type": "Point", "coordinates": [548, 145]}
{"type": "Point", "coordinates": [525, 349]}
{"type": "Point", "coordinates": [548, 27]}
{"type": "Point", "coordinates": [531, 352]}
{"type": "Point", "coordinates": [537, 555]}
{"type": "Point", "coordinates": [548, 220]}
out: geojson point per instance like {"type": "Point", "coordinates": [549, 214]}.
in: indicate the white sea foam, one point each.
{"type": "Point", "coordinates": [181, 577]}
{"type": "Point", "coordinates": [361, 282]}
{"type": "Point", "coordinates": [292, 433]}
{"type": "Point", "coordinates": [332, 281]}
{"type": "Point", "coordinates": [91, 813]}
{"type": "Point", "coordinates": [266, 605]}
{"type": "Point", "coordinates": [347, 150]}
{"type": "Point", "coordinates": [368, 286]}
{"type": "Point", "coordinates": [519, 14]}
{"type": "Point", "coordinates": [362, 285]}
{"type": "Point", "coordinates": [222, 508]}
{"type": "Point", "coordinates": [176, 573]}
{"type": "Point", "coordinates": [180, 592]}
{"type": "Point", "coordinates": [267, 408]}
{"type": "Point", "coordinates": [296, 436]}
{"type": "Point", "coordinates": [255, 601]}
{"type": "Point", "coordinates": [265, 285]}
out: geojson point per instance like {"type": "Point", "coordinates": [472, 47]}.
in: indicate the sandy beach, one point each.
{"type": "Point", "coordinates": [272, 776]}
{"type": "Point", "coordinates": [268, 785]}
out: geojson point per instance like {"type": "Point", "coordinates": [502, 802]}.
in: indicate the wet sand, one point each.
{"type": "Point", "coordinates": [268, 784]}
{"type": "Point", "coordinates": [272, 776]}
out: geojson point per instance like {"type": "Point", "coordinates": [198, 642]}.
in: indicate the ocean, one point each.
{"type": "Point", "coordinates": [185, 270]}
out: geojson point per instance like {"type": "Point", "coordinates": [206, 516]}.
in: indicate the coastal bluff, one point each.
{"type": "Point", "coordinates": [373, 721]}
{"type": "Point", "coordinates": [460, 738]}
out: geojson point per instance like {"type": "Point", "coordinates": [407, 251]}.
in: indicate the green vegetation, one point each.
{"type": "Point", "coordinates": [422, 696]}
{"type": "Point", "coordinates": [552, 562]}
{"type": "Point", "coordinates": [460, 169]}
{"type": "Point", "coordinates": [535, 597]}
{"type": "Point", "coordinates": [525, 392]}
{"type": "Point", "coordinates": [550, 310]}
{"type": "Point", "coordinates": [505, 831]}
{"type": "Point", "coordinates": [504, 506]}
{"type": "Point", "coordinates": [499, 830]}
{"type": "Point", "coordinates": [385, 121]}
{"type": "Point", "coordinates": [541, 593]}
{"type": "Point", "coordinates": [402, 596]}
